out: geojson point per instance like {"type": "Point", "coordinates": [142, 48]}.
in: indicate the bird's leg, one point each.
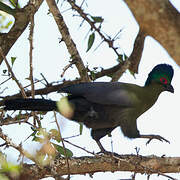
{"type": "Point", "coordinates": [151, 137]}
{"type": "Point", "coordinates": [100, 146]}
{"type": "Point", "coordinates": [104, 151]}
{"type": "Point", "coordinates": [97, 134]}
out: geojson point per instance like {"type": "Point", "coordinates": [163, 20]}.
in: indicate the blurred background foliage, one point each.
{"type": "Point", "coordinates": [7, 8]}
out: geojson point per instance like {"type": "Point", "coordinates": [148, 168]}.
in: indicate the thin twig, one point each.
{"type": "Point", "coordinates": [84, 15]}
{"type": "Point", "coordinates": [12, 74]}
{"type": "Point", "coordinates": [17, 147]}
{"type": "Point", "coordinates": [5, 81]}
{"type": "Point", "coordinates": [22, 18]}
{"type": "Point", "coordinates": [169, 177]}
{"type": "Point", "coordinates": [36, 81]}
{"type": "Point", "coordinates": [46, 81]}
{"type": "Point", "coordinates": [31, 54]}
{"type": "Point", "coordinates": [18, 119]}
{"type": "Point", "coordinates": [66, 68]}
{"type": "Point", "coordinates": [68, 168]}
{"type": "Point", "coordinates": [71, 46]}
{"type": "Point", "coordinates": [79, 147]}
{"type": "Point", "coordinates": [31, 33]}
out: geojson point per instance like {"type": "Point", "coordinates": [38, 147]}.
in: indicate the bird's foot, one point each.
{"type": "Point", "coordinates": [100, 146]}
{"type": "Point", "coordinates": [109, 153]}
{"type": "Point", "coordinates": [151, 137]}
{"type": "Point", "coordinates": [103, 151]}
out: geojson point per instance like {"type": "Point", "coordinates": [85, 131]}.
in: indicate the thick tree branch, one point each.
{"type": "Point", "coordinates": [22, 18]}
{"type": "Point", "coordinates": [66, 37]}
{"type": "Point", "coordinates": [83, 165]}
{"type": "Point", "coordinates": [124, 66]}
{"type": "Point", "coordinates": [159, 19]}
{"type": "Point", "coordinates": [133, 61]}
{"type": "Point", "coordinates": [135, 57]}
{"type": "Point", "coordinates": [136, 54]}
{"type": "Point", "coordinates": [43, 91]}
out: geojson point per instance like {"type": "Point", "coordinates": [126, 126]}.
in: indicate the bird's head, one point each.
{"type": "Point", "coordinates": [162, 75]}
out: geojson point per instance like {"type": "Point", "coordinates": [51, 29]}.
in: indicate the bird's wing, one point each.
{"type": "Point", "coordinates": [110, 93]}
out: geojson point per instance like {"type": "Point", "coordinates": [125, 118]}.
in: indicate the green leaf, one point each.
{"type": "Point", "coordinates": [13, 60]}
{"type": "Point", "coordinates": [38, 139]}
{"type": "Point", "coordinates": [120, 58]}
{"type": "Point", "coordinates": [125, 56]}
{"type": "Point", "coordinates": [3, 177]}
{"type": "Point", "coordinates": [8, 24]}
{"type": "Point", "coordinates": [41, 115]}
{"type": "Point", "coordinates": [132, 73]}
{"type": "Point", "coordinates": [93, 75]}
{"type": "Point", "coordinates": [90, 41]}
{"type": "Point", "coordinates": [80, 128]}
{"type": "Point", "coordinates": [109, 135]}
{"type": "Point", "coordinates": [10, 167]}
{"type": "Point", "coordinates": [55, 135]}
{"type": "Point", "coordinates": [60, 149]}
{"type": "Point", "coordinates": [41, 131]}
{"type": "Point", "coordinates": [54, 132]}
{"type": "Point", "coordinates": [33, 134]}
{"type": "Point", "coordinates": [14, 3]}
{"type": "Point", "coordinates": [34, 130]}
{"type": "Point", "coordinates": [97, 19]}
{"type": "Point", "coordinates": [7, 9]}
{"type": "Point", "coordinates": [4, 71]}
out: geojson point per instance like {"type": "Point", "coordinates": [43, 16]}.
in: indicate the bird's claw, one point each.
{"type": "Point", "coordinates": [151, 137]}
{"type": "Point", "coordinates": [105, 152]}
{"type": "Point", "coordinates": [109, 153]}
{"type": "Point", "coordinates": [158, 137]}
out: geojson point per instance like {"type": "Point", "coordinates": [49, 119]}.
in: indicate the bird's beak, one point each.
{"type": "Point", "coordinates": [170, 88]}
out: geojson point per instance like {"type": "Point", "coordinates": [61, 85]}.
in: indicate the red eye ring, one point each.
{"type": "Point", "coordinates": [163, 80]}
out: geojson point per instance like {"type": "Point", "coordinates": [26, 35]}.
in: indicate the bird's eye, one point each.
{"type": "Point", "coordinates": [163, 80]}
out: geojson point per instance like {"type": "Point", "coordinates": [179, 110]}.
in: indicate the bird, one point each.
{"type": "Point", "coordinates": [103, 106]}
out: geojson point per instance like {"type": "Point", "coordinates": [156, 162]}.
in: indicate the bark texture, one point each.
{"type": "Point", "coordinates": [159, 19]}
{"type": "Point", "coordinates": [91, 165]}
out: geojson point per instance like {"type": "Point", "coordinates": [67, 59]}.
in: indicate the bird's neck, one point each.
{"type": "Point", "coordinates": [150, 95]}
{"type": "Point", "coordinates": [153, 90]}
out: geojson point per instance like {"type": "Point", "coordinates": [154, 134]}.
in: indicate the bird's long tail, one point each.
{"type": "Point", "coordinates": [30, 104]}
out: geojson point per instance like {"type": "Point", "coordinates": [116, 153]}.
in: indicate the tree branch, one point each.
{"type": "Point", "coordinates": [92, 164]}
{"type": "Point", "coordinates": [133, 61]}
{"type": "Point", "coordinates": [19, 148]}
{"type": "Point", "coordinates": [84, 15]}
{"type": "Point", "coordinates": [12, 74]}
{"type": "Point", "coordinates": [124, 66]}
{"type": "Point", "coordinates": [66, 37]}
{"type": "Point", "coordinates": [136, 54]}
{"type": "Point", "coordinates": [159, 19]}
{"type": "Point", "coordinates": [43, 91]}
{"type": "Point", "coordinates": [22, 18]}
